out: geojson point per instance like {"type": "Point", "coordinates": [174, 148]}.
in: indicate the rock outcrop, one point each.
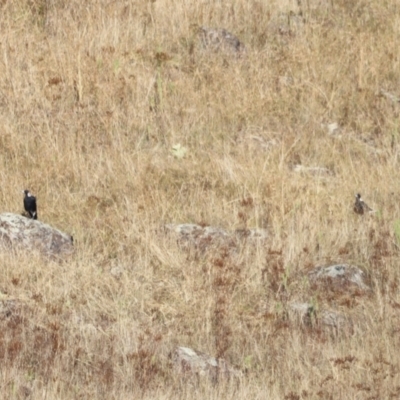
{"type": "Point", "coordinates": [339, 275]}
{"type": "Point", "coordinates": [189, 362]}
{"type": "Point", "coordinates": [17, 231]}
{"type": "Point", "coordinates": [204, 237]}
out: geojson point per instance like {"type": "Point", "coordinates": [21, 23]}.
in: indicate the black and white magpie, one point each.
{"type": "Point", "coordinates": [30, 204]}
{"type": "Point", "coordinates": [360, 206]}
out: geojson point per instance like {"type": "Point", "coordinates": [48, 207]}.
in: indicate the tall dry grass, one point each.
{"type": "Point", "coordinates": [93, 95]}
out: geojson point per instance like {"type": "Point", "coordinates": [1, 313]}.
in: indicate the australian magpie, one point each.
{"type": "Point", "coordinates": [360, 207]}
{"type": "Point", "coordinates": [30, 204]}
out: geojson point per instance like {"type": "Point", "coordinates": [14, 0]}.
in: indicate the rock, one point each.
{"type": "Point", "coordinates": [17, 231]}
{"type": "Point", "coordinates": [336, 320]}
{"type": "Point", "coordinates": [339, 274]}
{"type": "Point", "coordinates": [333, 128]}
{"type": "Point", "coordinates": [193, 230]}
{"type": "Point", "coordinates": [308, 315]}
{"type": "Point", "coordinates": [9, 307]}
{"type": "Point", "coordinates": [218, 40]}
{"type": "Point", "coordinates": [117, 272]}
{"type": "Point", "coordinates": [255, 233]}
{"type": "Point", "coordinates": [189, 362]}
{"type": "Point", "coordinates": [200, 237]}
{"type": "Point", "coordinates": [204, 237]}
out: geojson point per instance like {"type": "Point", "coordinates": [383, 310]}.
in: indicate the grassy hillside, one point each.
{"type": "Point", "coordinates": [93, 98]}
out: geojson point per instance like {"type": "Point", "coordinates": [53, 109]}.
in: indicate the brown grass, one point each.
{"type": "Point", "coordinates": [93, 95]}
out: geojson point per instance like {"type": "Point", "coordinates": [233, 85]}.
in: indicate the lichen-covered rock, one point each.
{"type": "Point", "coordinates": [191, 362]}
{"type": "Point", "coordinates": [340, 274]}
{"type": "Point", "coordinates": [17, 231]}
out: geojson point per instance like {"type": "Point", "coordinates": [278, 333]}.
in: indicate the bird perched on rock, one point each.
{"type": "Point", "coordinates": [30, 204]}
{"type": "Point", "coordinates": [360, 206]}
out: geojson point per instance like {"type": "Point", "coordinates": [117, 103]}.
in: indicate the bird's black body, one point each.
{"type": "Point", "coordinates": [30, 204]}
{"type": "Point", "coordinates": [360, 207]}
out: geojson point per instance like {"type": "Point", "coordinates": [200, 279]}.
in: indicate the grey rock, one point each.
{"type": "Point", "coordinates": [189, 362]}
{"type": "Point", "coordinates": [332, 128]}
{"type": "Point", "coordinates": [333, 319]}
{"type": "Point", "coordinates": [205, 237]}
{"type": "Point", "coordinates": [17, 231]}
{"type": "Point", "coordinates": [340, 273]}
{"type": "Point", "coordinates": [117, 272]}
{"type": "Point", "coordinates": [217, 40]}
{"type": "Point", "coordinates": [200, 237]}
{"type": "Point", "coordinates": [193, 231]}
{"type": "Point", "coordinates": [309, 315]}
{"type": "Point", "coordinates": [254, 233]}
{"type": "Point", "coordinates": [9, 307]}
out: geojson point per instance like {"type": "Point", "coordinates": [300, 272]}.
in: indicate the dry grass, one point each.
{"type": "Point", "coordinates": [93, 95]}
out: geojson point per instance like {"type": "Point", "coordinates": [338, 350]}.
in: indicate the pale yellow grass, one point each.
{"type": "Point", "coordinates": [93, 95]}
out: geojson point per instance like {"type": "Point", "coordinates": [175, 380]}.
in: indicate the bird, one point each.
{"type": "Point", "coordinates": [360, 206]}
{"type": "Point", "coordinates": [30, 204]}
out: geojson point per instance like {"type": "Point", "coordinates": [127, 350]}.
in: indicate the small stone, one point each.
{"type": "Point", "coordinates": [117, 272]}
{"type": "Point", "coordinates": [333, 128]}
